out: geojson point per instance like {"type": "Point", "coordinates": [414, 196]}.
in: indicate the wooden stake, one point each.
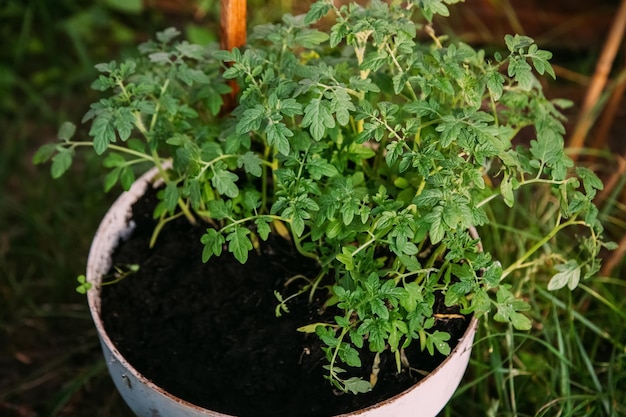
{"type": "Point", "coordinates": [233, 23]}
{"type": "Point", "coordinates": [233, 35]}
{"type": "Point", "coordinates": [603, 68]}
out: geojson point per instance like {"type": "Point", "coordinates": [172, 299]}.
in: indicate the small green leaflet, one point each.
{"type": "Point", "coordinates": [251, 120]}
{"type": "Point", "coordinates": [316, 12]}
{"type": "Point", "coordinates": [508, 308]}
{"type": "Point", "coordinates": [103, 132]}
{"type": "Point", "coordinates": [170, 197]}
{"type": "Point", "coordinates": [83, 284]}
{"type": "Point", "coordinates": [263, 228]}
{"type": "Point", "coordinates": [224, 182]}
{"type": "Point", "coordinates": [213, 242]}
{"type": "Point", "coordinates": [318, 118]}
{"type": "Point", "coordinates": [66, 131]}
{"type": "Point", "coordinates": [357, 385]}
{"type": "Point", "coordinates": [277, 134]}
{"type": "Point", "coordinates": [251, 163]}
{"type": "Point", "coordinates": [239, 243]}
{"type": "Point", "coordinates": [61, 162]}
{"type": "Point", "coordinates": [438, 340]}
{"type": "Point", "coordinates": [569, 274]}
{"type": "Point", "coordinates": [308, 38]}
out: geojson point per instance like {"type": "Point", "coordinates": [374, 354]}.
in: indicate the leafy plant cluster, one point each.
{"type": "Point", "coordinates": [375, 148]}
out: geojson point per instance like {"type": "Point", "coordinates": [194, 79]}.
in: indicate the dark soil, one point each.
{"type": "Point", "coordinates": [208, 332]}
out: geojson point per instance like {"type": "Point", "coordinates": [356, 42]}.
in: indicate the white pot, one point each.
{"type": "Point", "coordinates": [425, 399]}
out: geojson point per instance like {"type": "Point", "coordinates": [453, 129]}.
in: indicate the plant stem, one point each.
{"type": "Point", "coordinates": [520, 261]}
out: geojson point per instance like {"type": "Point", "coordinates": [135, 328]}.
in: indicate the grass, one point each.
{"type": "Point", "coordinates": [572, 363]}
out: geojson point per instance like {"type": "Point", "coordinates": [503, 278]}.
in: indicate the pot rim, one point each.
{"type": "Point", "coordinates": [113, 219]}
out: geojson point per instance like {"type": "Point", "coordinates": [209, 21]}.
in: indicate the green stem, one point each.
{"type": "Point", "coordinates": [520, 261]}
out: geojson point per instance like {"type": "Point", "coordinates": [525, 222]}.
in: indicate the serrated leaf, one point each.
{"type": "Point", "coordinates": [195, 193]}
{"type": "Point", "coordinates": [170, 196]}
{"type": "Point", "coordinates": [357, 385]}
{"type": "Point", "coordinates": [239, 243]}
{"type": "Point", "coordinates": [506, 188]}
{"type": "Point", "coordinates": [251, 163]}
{"type": "Point", "coordinates": [569, 274]}
{"type": "Point", "coordinates": [277, 134]}
{"type": "Point", "coordinates": [218, 209]}
{"type": "Point", "coordinates": [309, 38]}
{"type": "Point", "coordinates": [251, 120]}
{"type": "Point", "coordinates": [318, 118]}
{"type": "Point", "coordinates": [61, 162]}
{"type": "Point", "coordinates": [44, 153]}
{"type": "Point", "coordinates": [225, 182]}
{"type": "Point", "coordinates": [263, 228]}
{"type": "Point", "coordinates": [316, 12]}
{"type": "Point", "coordinates": [103, 133]}
{"type": "Point", "coordinates": [213, 242]}
{"type": "Point", "coordinates": [438, 340]}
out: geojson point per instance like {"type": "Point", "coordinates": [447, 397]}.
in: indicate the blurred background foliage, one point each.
{"type": "Point", "coordinates": [573, 362]}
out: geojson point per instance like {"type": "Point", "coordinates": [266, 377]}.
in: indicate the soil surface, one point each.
{"type": "Point", "coordinates": [208, 333]}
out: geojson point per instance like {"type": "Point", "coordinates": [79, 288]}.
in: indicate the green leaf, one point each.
{"type": "Point", "coordinates": [167, 35]}
{"type": "Point", "coordinates": [251, 163]}
{"type": "Point", "coordinates": [195, 193]}
{"type": "Point", "coordinates": [356, 385]}
{"type": "Point", "coordinates": [263, 228]}
{"type": "Point", "coordinates": [218, 209]}
{"type": "Point", "coordinates": [495, 84]}
{"type": "Point", "coordinates": [506, 188]}
{"type": "Point", "coordinates": [103, 133]}
{"type": "Point", "coordinates": [349, 355]}
{"type": "Point", "coordinates": [239, 243]}
{"type": "Point", "coordinates": [44, 153]}
{"type": "Point", "coordinates": [114, 160]}
{"type": "Point", "coordinates": [521, 71]}
{"type": "Point", "coordinates": [569, 274]}
{"type": "Point", "coordinates": [517, 42]}
{"type": "Point", "coordinates": [83, 284]}
{"type": "Point", "coordinates": [66, 131]}
{"type": "Point", "coordinates": [127, 178]}
{"type": "Point", "coordinates": [251, 120]}
{"type": "Point", "coordinates": [438, 340]}
{"type": "Point", "coordinates": [170, 196]}
{"type": "Point", "coordinates": [111, 179]}
{"type": "Point", "coordinates": [317, 10]}
{"type": "Point", "coordinates": [61, 162]}
{"type": "Point", "coordinates": [508, 307]}
{"type": "Point", "coordinates": [432, 7]}
{"type": "Point", "coordinates": [520, 321]}
{"type": "Point", "coordinates": [124, 121]}
{"type": "Point", "coordinates": [277, 134]}
{"type": "Point", "coordinates": [225, 182]}
{"type": "Point", "coordinates": [540, 60]}
{"type": "Point", "coordinates": [318, 117]}
{"type": "Point", "coordinates": [319, 167]}
{"type": "Point", "coordinates": [437, 226]}
{"type": "Point", "coordinates": [213, 242]}
{"type": "Point", "coordinates": [309, 38]}
{"type": "Point", "coordinates": [289, 107]}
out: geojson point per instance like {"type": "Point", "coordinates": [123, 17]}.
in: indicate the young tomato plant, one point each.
{"type": "Point", "coordinates": [375, 148]}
